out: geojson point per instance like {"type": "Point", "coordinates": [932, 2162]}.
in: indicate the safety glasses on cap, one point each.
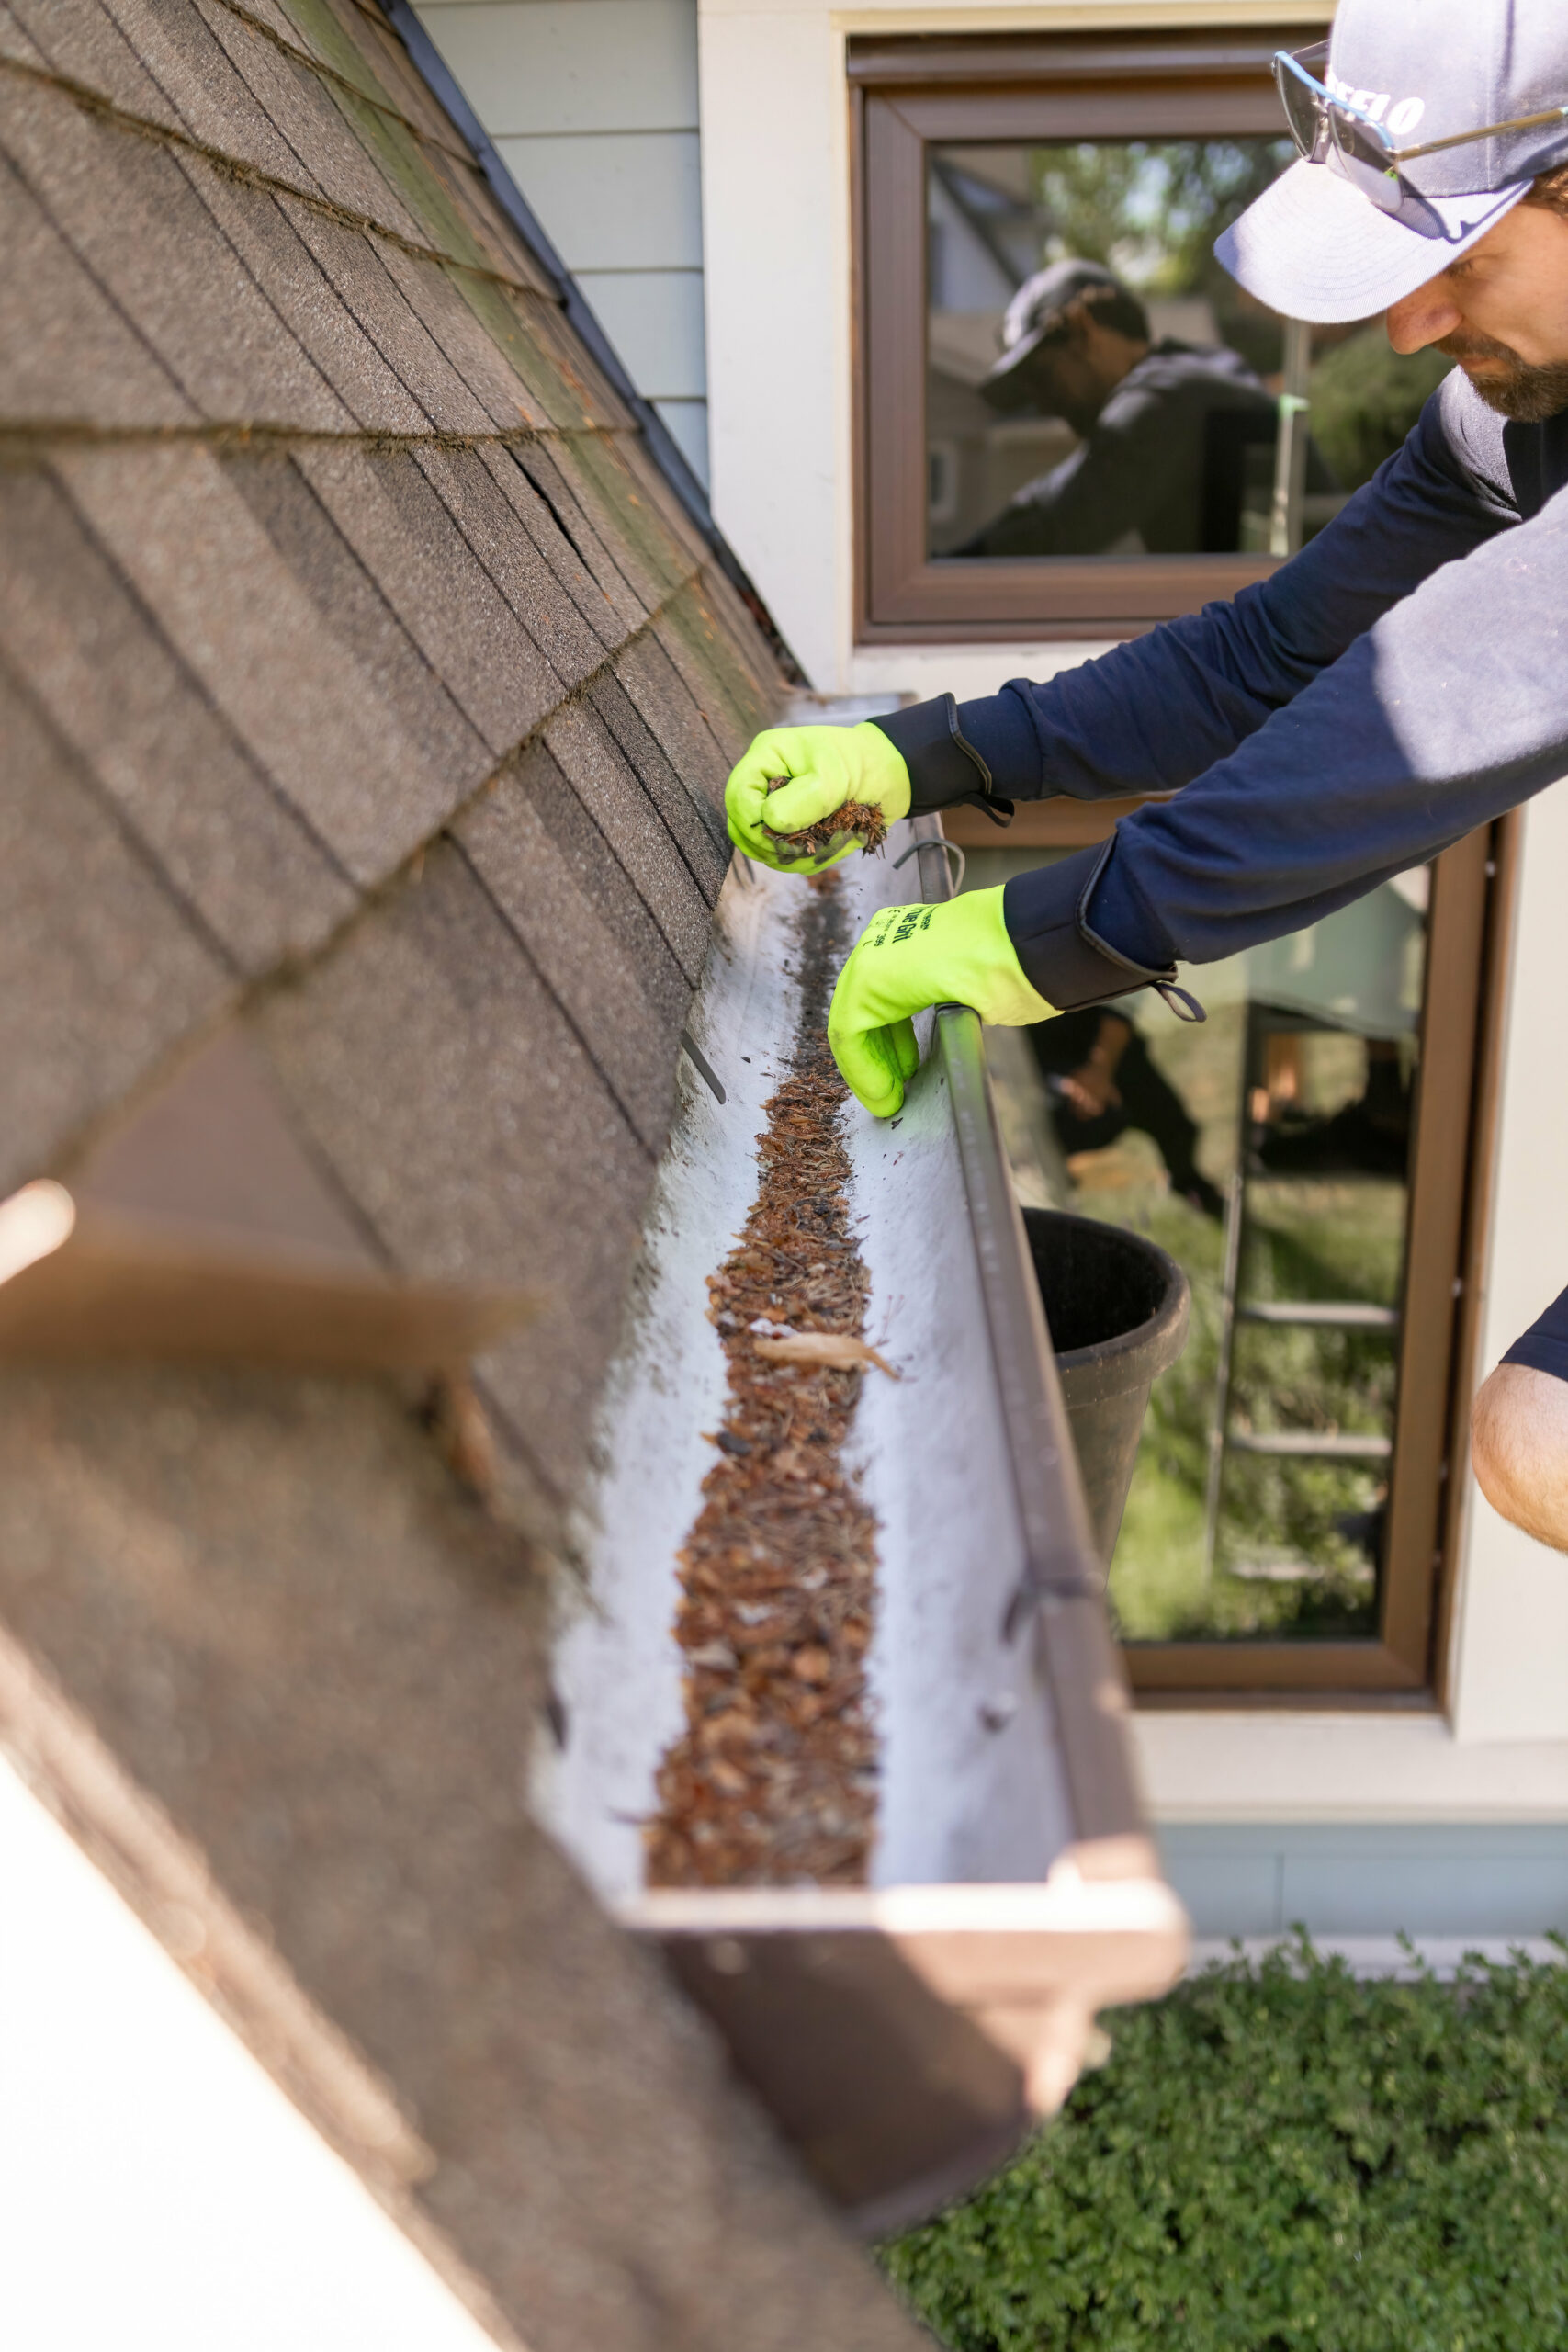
{"type": "Point", "coordinates": [1367, 156]}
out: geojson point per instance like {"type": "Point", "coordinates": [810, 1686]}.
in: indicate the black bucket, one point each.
{"type": "Point", "coordinates": [1117, 1307]}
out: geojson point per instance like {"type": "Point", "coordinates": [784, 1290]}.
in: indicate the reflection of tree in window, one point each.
{"type": "Point", "coordinates": [1152, 213]}
{"type": "Point", "coordinates": [1365, 399]}
{"type": "Point", "coordinates": [1160, 442]}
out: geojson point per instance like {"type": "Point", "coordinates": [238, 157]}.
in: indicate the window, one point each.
{"type": "Point", "coordinates": [1303, 1155]}
{"type": "Point", "coordinates": [1069, 411]}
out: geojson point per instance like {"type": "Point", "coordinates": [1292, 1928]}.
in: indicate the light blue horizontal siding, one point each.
{"type": "Point", "coordinates": [1225, 1893]}
{"type": "Point", "coordinates": [592, 104]}
{"type": "Point", "coordinates": [1425, 1879]}
{"type": "Point", "coordinates": [688, 424]}
{"type": "Point", "coordinates": [654, 318]}
{"type": "Point", "coordinates": [614, 200]}
{"type": "Point", "coordinates": [565, 65]}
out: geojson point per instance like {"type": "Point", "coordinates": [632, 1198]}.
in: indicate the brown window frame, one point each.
{"type": "Point", "coordinates": [1405, 1662]}
{"type": "Point", "coordinates": [910, 94]}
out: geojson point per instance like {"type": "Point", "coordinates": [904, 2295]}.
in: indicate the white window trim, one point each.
{"type": "Point", "coordinates": [778, 258]}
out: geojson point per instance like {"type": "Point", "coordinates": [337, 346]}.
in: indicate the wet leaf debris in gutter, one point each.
{"type": "Point", "coordinates": [773, 1779]}
{"type": "Point", "coordinates": [857, 820]}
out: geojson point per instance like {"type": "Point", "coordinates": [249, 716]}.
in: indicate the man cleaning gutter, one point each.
{"type": "Point", "coordinates": [1400, 682]}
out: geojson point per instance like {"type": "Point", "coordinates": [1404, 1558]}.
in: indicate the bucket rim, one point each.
{"type": "Point", "coordinates": [1161, 1334]}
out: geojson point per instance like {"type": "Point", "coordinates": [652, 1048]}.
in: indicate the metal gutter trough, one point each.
{"type": "Point", "coordinates": [903, 2030]}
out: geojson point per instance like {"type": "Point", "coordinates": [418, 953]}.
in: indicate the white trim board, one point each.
{"type": "Point", "coordinates": [966, 671]}
{"type": "Point", "coordinates": [1271, 1765]}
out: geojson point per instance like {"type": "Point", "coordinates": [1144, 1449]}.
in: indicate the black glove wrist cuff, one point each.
{"type": "Point", "coordinates": [1046, 913]}
{"type": "Point", "coordinates": [943, 769]}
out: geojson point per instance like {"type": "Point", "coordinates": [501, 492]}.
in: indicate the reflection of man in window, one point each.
{"type": "Point", "coordinates": [1164, 426]}
{"type": "Point", "coordinates": [1101, 1079]}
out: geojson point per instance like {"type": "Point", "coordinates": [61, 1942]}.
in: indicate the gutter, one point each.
{"type": "Point", "coordinates": [904, 2032]}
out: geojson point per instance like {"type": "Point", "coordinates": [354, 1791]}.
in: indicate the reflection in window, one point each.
{"type": "Point", "coordinates": [1268, 1151]}
{"type": "Point", "coordinates": [1096, 384]}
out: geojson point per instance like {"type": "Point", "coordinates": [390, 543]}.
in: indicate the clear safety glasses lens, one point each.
{"type": "Point", "coordinates": [1304, 102]}
{"type": "Point", "coordinates": [1318, 121]}
{"type": "Point", "coordinates": [1366, 164]}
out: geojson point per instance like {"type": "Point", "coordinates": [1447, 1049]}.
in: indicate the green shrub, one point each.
{"type": "Point", "coordinates": [1278, 2158]}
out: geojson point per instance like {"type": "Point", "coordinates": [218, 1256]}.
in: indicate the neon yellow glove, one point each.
{"type": "Point", "coordinates": [957, 951]}
{"type": "Point", "coordinates": [827, 766]}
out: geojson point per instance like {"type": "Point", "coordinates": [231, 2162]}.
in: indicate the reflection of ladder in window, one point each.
{"type": "Point", "coordinates": [1324, 1315]}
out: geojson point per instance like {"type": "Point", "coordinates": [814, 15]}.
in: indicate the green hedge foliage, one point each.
{"type": "Point", "coordinates": [1278, 2158]}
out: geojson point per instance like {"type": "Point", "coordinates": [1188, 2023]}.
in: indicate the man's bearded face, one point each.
{"type": "Point", "coordinates": [1527, 395]}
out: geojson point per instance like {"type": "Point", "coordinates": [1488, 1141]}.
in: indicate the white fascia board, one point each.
{"type": "Point", "coordinates": [1510, 1663]}
{"type": "Point", "coordinates": [1273, 1766]}
{"type": "Point", "coordinates": [1037, 15]}
{"type": "Point", "coordinates": [775, 173]}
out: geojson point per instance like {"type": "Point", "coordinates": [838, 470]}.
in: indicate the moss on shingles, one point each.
{"type": "Point", "coordinates": [566, 394]}
{"type": "Point", "coordinates": [325, 37]}
{"type": "Point", "coordinates": [387, 137]}
{"type": "Point", "coordinates": [1278, 2158]}
{"type": "Point", "coordinates": [624, 510]}
{"type": "Point", "coordinates": [563, 393]}
{"type": "Point", "coordinates": [710, 651]}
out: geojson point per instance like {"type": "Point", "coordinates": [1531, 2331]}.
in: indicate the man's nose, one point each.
{"type": "Point", "coordinates": [1423, 316]}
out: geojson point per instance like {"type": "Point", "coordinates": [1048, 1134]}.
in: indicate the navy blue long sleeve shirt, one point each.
{"type": "Point", "coordinates": [1402, 680]}
{"type": "Point", "coordinates": [1544, 1347]}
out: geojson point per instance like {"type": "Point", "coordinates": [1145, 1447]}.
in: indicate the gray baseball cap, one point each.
{"type": "Point", "coordinates": [1037, 312]}
{"type": "Point", "coordinates": [1314, 247]}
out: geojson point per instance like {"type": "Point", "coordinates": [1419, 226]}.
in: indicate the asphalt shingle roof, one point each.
{"type": "Point", "coordinates": [366, 697]}
{"type": "Point", "coordinates": [326, 541]}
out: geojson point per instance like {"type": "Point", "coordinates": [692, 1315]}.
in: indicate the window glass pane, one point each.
{"type": "Point", "coordinates": [1268, 1150]}
{"type": "Point", "coordinates": [1098, 385]}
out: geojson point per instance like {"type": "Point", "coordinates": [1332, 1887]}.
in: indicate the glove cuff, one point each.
{"type": "Point", "coordinates": [943, 768]}
{"type": "Point", "coordinates": [1046, 913]}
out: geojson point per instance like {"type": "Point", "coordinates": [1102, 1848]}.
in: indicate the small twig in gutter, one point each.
{"type": "Point", "coordinates": [839, 1348]}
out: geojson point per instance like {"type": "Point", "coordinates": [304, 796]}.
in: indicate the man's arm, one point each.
{"type": "Point", "coordinates": [1518, 1431]}
{"type": "Point", "coordinates": [1080, 508]}
{"type": "Point", "coordinates": [1091, 1089]}
{"type": "Point", "coordinates": [1452, 708]}
{"type": "Point", "coordinates": [1163, 708]}
{"type": "Point", "coordinates": [1091, 500]}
